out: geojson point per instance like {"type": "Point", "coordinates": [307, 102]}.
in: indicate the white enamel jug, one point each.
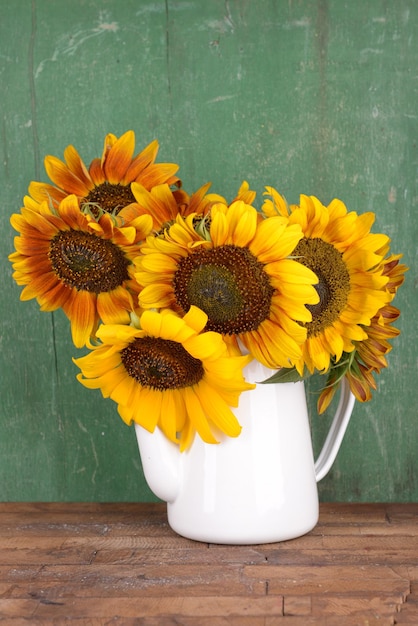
{"type": "Point", "coordinates": [260, 487]}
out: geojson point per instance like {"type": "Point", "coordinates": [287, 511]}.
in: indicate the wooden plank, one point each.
{"type": "Point", "coordinates": [163, 605]}
{"type": "Point", "coordinates": [226, 554]}
{"type": "Point", "coordinates": [347, 541]}
{"type": "Point", "coordinates": [65, 580]}
{"type": "Point", "coordinates": [308, 556]}
{"type": "Point", "coordinates": [180, 607]}
{"type": "Point", "coordinates": [341, 620]}
{"type": "Point", "coordinates": [359, 609]}
{"type": "Point", "coordinates": [379, 605]}
{"type": "Point", "coordinates": [331, 579]}
{"type": "Point", "coordinates": [96, 515]}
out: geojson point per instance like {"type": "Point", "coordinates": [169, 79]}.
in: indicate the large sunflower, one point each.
{"type": "Point", "coordinates": [168, 374]}
{"type": "Point", "coordinates": [347, 259]}
{"type": "Point", "coordinates": [66, 259]}
{"type": "Point", "coordinates": [239, 273]}
{"type": "Point", "coordinates": [106, 183]}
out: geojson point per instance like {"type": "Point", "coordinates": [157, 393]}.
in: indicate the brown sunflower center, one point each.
{"type": "Point", "coordinates": [109, 197]}
{"type": "Point", "coordinates": [229, 284]}
{"type": "Point", "coordinates": [161, 364]}
{"type": "Point", "coordinates": [87, 262]}
{"type": "Point", "coordinates": [334, 282]}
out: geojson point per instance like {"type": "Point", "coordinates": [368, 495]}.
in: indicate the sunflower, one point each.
{"type": "Point", "coordinates": [67, 259]}
{"type": "Point", "coordinates": [347, 259]}
{"type": "Point", "coordinates": [106, 183]}
{"type": "Point", "coordinates": [239, 275]}
{"type": "Point", "coordinates": [164, 204]}
{"type": "Point", "coordinates": [168, 374]}
{"type": "Point", "coordinates": [369, 356]}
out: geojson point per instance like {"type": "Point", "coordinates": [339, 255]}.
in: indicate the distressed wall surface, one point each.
{"type": "Point", "coordinates": [310, 97]}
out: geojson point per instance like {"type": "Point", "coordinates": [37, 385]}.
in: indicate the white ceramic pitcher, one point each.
{"type": "Point", "coordinates": [257, 488]}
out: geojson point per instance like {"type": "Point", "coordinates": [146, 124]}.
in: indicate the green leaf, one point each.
{"type": "Point", "coordinates": [284, 375]}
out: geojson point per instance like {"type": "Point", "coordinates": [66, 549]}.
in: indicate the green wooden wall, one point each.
{"type": "Point", "coordinates": [316, 97]}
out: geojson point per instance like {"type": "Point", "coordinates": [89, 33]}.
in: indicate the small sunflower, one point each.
{"type": "Point", "coordinates": [66, 259]}
{"type": "Point", "coordinates": [369, 356]}
{"type": "Point", "coordinates": [164, 204]}
{"type": "Point", "coordinates": [106, 183]}
{"type": "Point", "coordinates": [239, 274]}
{"type": "Point", "coordinates": [168, 374]}
{"type": "Point", "coordinates": [347, 258]}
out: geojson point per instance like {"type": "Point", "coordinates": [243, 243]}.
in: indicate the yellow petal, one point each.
{"type": "Point", "coordinates": [117, 157]}
{"type": "Point", "coordinates": [168, 416]}
{"type": "Point", "coordinates": [81, 310]}
{"type": "Point", "coordinates": [147, 407]}
{"type": "Point", "coordinates": [156, 296]}
{"type": "Point", "coordinates": [218, 411]}
{"type": "Point", "coordinates": [197, 415]}
{"type": "Point", "coordinates": [196, 318]}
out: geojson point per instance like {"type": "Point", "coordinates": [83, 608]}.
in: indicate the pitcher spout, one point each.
{"type": "Point", "coordinates": [160, 462]}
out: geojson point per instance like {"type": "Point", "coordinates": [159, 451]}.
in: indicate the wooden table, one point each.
{"type": "Point", "coordinates": [120, 563]}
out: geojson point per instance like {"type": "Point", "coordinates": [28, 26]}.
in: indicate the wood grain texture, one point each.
{"type": "Point", "coordinates": [315, 97]}
{"type": "Point", "coordinates": [97, 564]}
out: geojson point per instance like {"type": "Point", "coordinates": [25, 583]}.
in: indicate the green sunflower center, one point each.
{"type": "Point", "coordinates": [161, 364]}
{"type": "Point", "coordinates": [87, 262]}
{"type": "Point", "coordinates": [109, 197]}
{"type": "Point", "coordinates": [334, 282]}
{"type": "Point", "coordinates": [229, 284]}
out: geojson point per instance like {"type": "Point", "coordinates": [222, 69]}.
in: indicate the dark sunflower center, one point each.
{"type": "Point", "coordinates": [110, 198]}
{"type": "Point", "coordinates": [334, 282]}
{"type": "Point", "coordinates": [161, 364]}
{"type": "Point", "coordinates": [86, 262]}
{"type": "Point", "coordinates": [229, 284]}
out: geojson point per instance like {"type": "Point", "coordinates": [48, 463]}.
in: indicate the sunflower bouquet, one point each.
{"type": "Point", "coordinates": [173, 294]}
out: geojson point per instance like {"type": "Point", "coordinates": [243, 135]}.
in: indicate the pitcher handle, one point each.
{"type": "Point", "coordinates": [336, 432]}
